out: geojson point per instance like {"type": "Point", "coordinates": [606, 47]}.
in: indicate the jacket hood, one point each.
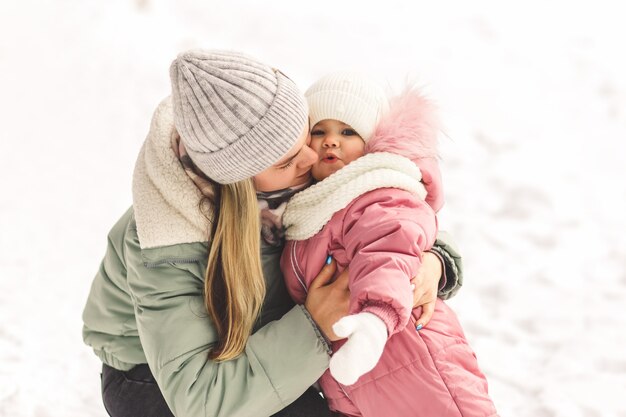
{"type": "Point", "coordinates": [410, 129]}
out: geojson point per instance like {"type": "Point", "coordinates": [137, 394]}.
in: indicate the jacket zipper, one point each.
{"type": "Point", "coordinates": [343, 390]}
{"type": "Point", "coordinates": [293, 266]}
{"type": "Point", "coordinates": [168, 260]}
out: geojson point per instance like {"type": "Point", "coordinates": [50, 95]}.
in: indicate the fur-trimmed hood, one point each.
{"type": "Point", "coordinates": [410, 129]}
{"type": "Point", "coordinates": [165, 199]}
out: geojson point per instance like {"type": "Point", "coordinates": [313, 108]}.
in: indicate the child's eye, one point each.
{"type": "Point", "coordinates": [349, 132]}
{"type": "Point", "coordinates": [317, 132]}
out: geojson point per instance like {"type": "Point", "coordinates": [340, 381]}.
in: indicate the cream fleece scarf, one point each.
{"type": "Point", "coordinates": [309, 211]}
{"type": "Point", "coordinates": [165, 199]}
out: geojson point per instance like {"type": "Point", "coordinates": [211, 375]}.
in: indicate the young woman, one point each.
{"type": "Point", "coordinates": [188, 311]}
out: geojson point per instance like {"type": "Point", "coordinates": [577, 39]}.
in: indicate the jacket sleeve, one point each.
{"type": "Point", "coordinates": [281, 360]}
{"type": "Point", "coordinates": [108, 309]}
{"type": "Point", "coordinates": [384, 234]}
{"type": "Point", "coordinates": [452, 278]}
{"type": "Point", "coordinates": [444, 248]}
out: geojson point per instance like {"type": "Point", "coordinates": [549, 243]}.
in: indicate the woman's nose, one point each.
{"type": "Point", "coordinates": [309, 157]}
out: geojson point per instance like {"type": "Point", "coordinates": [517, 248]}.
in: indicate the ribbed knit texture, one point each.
{"type": "Point", "coordinates": [349, 97]}
{"type": "Point", "coordinates": [309, 210]}
{"type": "Point", "coordinates": [235, 115]}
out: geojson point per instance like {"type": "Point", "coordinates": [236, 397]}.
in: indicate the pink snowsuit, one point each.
{"type": "Point", "coordinates": [381, 236]}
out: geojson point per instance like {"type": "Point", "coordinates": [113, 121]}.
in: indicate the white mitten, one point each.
{"type": "Point", "coordinates": [367, 335]}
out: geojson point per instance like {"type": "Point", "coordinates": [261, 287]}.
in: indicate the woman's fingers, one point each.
{"type": "Point", "coordinates": [340, 292]}
{"type": "Point", "coordinates": [342, 280]}
{"type": "Point", "coordinates": [325, 275]}
{"type": "Point", "coordinates": [328, 303]}
{"type": "Point", "coordinates": [426, 285]}
{"type": "Point", "coordinates": [427, 280]}
{"type": "Point", "coordinates": [418, 289]}
{"type": "Point", "coordinates": [427, 313]}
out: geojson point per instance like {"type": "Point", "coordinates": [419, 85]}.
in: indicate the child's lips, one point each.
{"type": "Point", "coordinates": [330, 159]}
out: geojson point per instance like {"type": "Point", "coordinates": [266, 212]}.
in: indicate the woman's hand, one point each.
{"type": "Point", "coordinates": [327, 303]}
{"type": "Point", "coordinates": [426, 287]}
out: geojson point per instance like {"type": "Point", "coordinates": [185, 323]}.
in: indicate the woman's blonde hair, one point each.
{"type": "Point", "coordinates": [234, 287]}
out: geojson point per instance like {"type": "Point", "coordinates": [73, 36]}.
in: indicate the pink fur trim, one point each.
{"type": "Point", "coordinates": [408, 129]}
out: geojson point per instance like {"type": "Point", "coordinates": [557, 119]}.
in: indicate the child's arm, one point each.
{"type": "Point", "coordinates": [385, 232]}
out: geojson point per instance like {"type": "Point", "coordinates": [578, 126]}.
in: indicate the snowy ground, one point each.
{"type": "Point", "coordinates": [534, 98]}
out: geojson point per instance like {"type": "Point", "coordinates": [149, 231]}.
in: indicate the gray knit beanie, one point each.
{"type": "Point", "coordinates": [235, 115]}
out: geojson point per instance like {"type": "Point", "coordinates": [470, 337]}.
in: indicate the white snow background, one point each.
{"type": "Point", "coordinates": [533, 95]}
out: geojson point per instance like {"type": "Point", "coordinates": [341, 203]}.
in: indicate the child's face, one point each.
{"type": "Point", "coordinates": [336, 144]}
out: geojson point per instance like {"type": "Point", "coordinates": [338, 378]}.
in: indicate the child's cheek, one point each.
{"type": "Point", "coordinates": [316, 171]}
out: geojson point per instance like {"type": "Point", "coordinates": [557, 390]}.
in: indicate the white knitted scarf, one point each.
{"type": "Point", "coordinates": [165, 199]}
{"type": "Point", "coordinates": [309, 210]}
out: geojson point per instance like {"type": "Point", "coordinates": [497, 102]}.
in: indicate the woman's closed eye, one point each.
{"type": "Point", "coordinates": [287, 165]}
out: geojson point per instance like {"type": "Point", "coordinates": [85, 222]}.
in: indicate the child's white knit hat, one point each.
{"type": "Point", "coordinates": [349, 97]}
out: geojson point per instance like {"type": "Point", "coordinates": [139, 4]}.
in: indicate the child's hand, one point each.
{"type": "Point", "coordinates": [367, 335]}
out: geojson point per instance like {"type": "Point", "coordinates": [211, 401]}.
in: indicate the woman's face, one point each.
{"type": "Point", "coordinates": [293, 169]}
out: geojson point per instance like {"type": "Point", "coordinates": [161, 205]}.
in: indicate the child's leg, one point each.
{"type": "Point", "coordinates": [456, 363]}
{"type": "Point", "coordinates": [432, 372]}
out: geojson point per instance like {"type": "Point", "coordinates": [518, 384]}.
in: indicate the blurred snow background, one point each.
{"type": "Point", "coordinates": [533, 95]}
